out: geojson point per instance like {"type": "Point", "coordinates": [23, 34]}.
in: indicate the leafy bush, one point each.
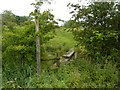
{"type": "Point", "coordinates": [101, 35]}
{"type": "Point", "coordinates": [19, 48]}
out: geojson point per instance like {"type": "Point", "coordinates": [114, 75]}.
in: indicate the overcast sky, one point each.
{"type": "Point", "coordinates": [23, 7]}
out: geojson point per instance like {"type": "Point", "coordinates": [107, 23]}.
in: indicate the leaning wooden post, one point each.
{"type": "Point", "coordinates": [37, 44]}
{"type": "Point", "coordinates": [76, 55]}
{"type": "Point", "coordinates": [76, 52]}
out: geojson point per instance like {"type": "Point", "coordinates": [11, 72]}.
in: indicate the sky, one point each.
{"type": "Point", "coordinates": [23, 7]}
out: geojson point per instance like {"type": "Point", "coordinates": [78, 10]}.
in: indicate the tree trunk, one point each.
{"type": "Point", "coordinates": [38, 47]}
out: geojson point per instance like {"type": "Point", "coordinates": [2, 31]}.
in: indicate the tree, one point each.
{"type": "Point", "coordinates": [18, 45]}
{"type": "Point", "coordinates": [36, 17]}
{"type": "Point", "coordinates": [100, 35]}
{"type": "Point", "coordinates": [71, 24]}
{"type": "Point", "coordinates": [21, 19]}
{"type": "Point", "coordinates": [42, 20]}
{"type": "Point", "coordinates": [8, 18]}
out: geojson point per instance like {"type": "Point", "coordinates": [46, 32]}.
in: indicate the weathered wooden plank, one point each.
{"type": "Point", "coordinates": [64, 60]}
{"type": "Point", "coordinates": [69, 53]}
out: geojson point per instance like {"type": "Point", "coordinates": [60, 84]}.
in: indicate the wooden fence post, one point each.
{"type": "Point", "coordinates": [76, 55]}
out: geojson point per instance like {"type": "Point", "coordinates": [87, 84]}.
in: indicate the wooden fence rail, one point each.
{"type": "Point", "coordinates": [50, 59]}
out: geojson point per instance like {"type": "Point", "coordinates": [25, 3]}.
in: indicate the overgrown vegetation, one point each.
{"type": "Point", "coordinates": [79, 74]}
{"type": "Point", "coordinates": [100, 34]}
{"type": "Point", "coordinates": [93, 33]}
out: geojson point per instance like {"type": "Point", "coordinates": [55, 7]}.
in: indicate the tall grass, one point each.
{"type": "Point", "coordinates": [81, 74]}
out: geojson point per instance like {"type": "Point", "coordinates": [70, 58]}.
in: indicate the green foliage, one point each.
{"type": "Point", "coordinates": [16, 76]}
{"type": "Point", "coordinates": [18, 55]}
{"type": "Point", "coordinates": [18, 42]}
{"type": "Point", "coordinates": [61, 43]}
{"type": "Point", "coordinates": [10, 19]}
{"type": "Point", "coordinates": [71, 24]}
{"type": "Point", "coordinates": [100, 35]}
{"type": "Point", "coordinates": [19, 49]}
{"type": "Point", "coordinates": [21, 19]}
{"type": "Point", "coordinates": [96, 34]}
{"type": "Point", "coordinates": [81, 74]}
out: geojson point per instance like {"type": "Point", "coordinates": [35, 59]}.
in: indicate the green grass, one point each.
{"type": "Point", "coordinates": [81, 74]}
{"type": "Point", "coordinates": [62, 42]}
